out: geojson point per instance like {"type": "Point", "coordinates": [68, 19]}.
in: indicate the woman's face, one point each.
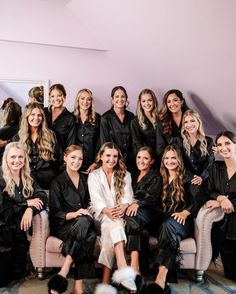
{"type": "Point", "coordinates": [226, 148]}
{"type": "Point", "coordinates": [109, 158]}
{"type": "Point", "coordinates": [85, 101]}
{"type": "Point", "coordinates": [119, 99]}
{"type": "Point", "coordinates": [15, 159]}
{"type": "Point", "coordinates": [144, 160]}
{"type": "Point", "coordinates": [57, 98]}
{"type": "Point", "coordinates": [147, 102]}
{"type": "Point", "coordinates": [35, 118]}
{"type": "Point", "coordinates": [174, 103]}
{"type": "Point", "coordinates": [170, 160]}
{"type": "Point", "coordinates": [74, 160]}
{"type": "Point", "coordinates": [191, 125]}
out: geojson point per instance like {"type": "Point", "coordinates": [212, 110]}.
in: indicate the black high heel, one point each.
{"type": "Point", "coordinates": [154, 288]}
{"type": "Point", "coordinates": [57, 283]}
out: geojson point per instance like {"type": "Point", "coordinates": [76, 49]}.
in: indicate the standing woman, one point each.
{"type": "Point", "coordinates": [179, 207]}
{"type": "Point", "coordinates": [111, 192]}
{"type": "Point", "coordinates": [143, 125]}
{"type": "Point", "coordinates": [145, 214]}
{"type": "Point", "coordinates": [87, 127]}
{"type": "Point", "coordinates": [115, 124]}
{"type": "Point", "coordinates": [170, 120]}
{"type": "Point", "coordinates": [40, 143]}
{"type": "Point", "coordinates": [197, 147]}
{"type": "Point", "coordinates": [222, 192]}
{"type": "Point", "coordinates": [59, 119]}
{"type": "Point", "coordinates": [71, 221]}
{"type": "Point", "coordinates": [20, 197]}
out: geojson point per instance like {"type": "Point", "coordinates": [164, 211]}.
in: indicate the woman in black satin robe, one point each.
{"type": "Point", "coordinates": [222, 193]}
{"type": "Point", "coordinates": [115, 124]}
{"type": "Point", "coordinates": [87, 128]}
{"type": "Point", "coordinates": [143, 125]}
{"type": "Point", "coordinates": [59, 119]}
{"type": "Point", "coordinates": [180, 206]}
{"type": "Point", "coordinates": [145, 215]}
{"type": "Point", "coordinates": [198, 152]}
{"type": "Point", "coordinates": [170, 120]}
{"type": "Point", "coordinates": [20, 198]}
{"type": "Point", "coordinates": [71, 221]}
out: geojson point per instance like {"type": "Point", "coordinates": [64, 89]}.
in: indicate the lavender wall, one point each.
{"type": "Point", "coordinates": [186, 44]}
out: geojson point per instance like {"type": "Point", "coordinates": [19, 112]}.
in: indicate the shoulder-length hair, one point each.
{"type": "Point", "coordinates": [119, 169]}
{"type": "Point", "coordinates": [177, 194]}
{"type": "Point", "coordinates": [165, 114]}
{"type": "Point", "coordinates": [91, 111]}
{"type": "Point", "coordinates": [200, 133]}
{"type": "Point", "coordinates": [140, 112]}
{"type": "Point", "coordinates": [45, 140]}
{"type": "Point", "coordinates": [25, 177]}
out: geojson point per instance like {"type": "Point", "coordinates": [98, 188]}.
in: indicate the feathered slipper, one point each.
{"type": "Point", "coordinates": [57, 283]}
{"type": "Point", "coordinates": [126, 278]}
{"type": "Point", "coordinates": [105, 289]}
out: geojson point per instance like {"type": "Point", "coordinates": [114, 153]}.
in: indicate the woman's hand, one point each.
{"type": "Point", "coordinates": [110, 212]}
{"type": "Point", "coordinates": [132, 209]}
{"type": "Point", "coordinates": [226, 205]}
{"type": "Point", "coordinates": [82, 211]}
{"type": "Point", "coordinates": [212, 204]}
{"type": "Point", "coordinates": [196, 180]}
{"type": "Point", "coordinates": [120, 210]}
{"type": "Point", "coordinates": [180, 217]}
{"type": "Point", "coordinates": [36, 202]}
{"type": "Point", "coordinates": [26, 220]}
{"type": "Point", "coordinates": [92, 167]}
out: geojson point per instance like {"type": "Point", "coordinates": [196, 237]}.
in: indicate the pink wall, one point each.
{"type": "Point", "coordinates": [185, 44]}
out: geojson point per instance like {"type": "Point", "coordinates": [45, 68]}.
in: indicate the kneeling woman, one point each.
{"type": "Point", "coordinates": [179, 202]}
{"type": "Point", "coordinates": [111, 193]}
{"type": "Point", "coordinates": [71, 221]}
{"type": "Point", "coordinates": [20, 198]}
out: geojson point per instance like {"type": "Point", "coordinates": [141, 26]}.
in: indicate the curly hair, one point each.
{"type": "Point", "coordinates": [177, 195]}
{"type": "Point", "coordinates": [119, 169]}
{"type": "Point", "coordinates": [46, 138]}
{"type": "Point", "coordinates": [165, 114]}
{"type": "Point", "coordinates": [200, 133]}
{"type": "Point", "coordinates": [91, 111]}
{"type": "Point", "coordinates": [140, 112]}
{"type": "Point", "coordinates": [25, 177]}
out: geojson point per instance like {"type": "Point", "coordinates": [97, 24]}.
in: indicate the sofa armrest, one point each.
{"type": "Point", "coordinates": [40, 224]}
{"type": "Point", "coordinates": [202, 232]}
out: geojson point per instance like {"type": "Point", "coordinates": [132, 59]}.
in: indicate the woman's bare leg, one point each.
{"type": "Point", "coordinates": [161, 276]}
{"type": "Point", "coordinates": [135, 260]}
{"type": "Point", "coordinates": [119, 249]}
{"type": "Point", "coordinates": [78, 287]}
{"type": "Point", "coordinates": [106, 275]}
{"type": "Point", "coordinates": [66, 266]}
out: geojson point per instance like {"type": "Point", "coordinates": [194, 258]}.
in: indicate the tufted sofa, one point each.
{"type": "Point", "coordinates": [45, 250]}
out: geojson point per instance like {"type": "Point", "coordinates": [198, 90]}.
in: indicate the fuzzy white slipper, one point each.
{"type": "Point", "coordinates": [125, 277]}
{"type": "Point", "coordinates": [105, 289]}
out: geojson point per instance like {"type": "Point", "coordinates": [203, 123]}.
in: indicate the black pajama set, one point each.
{"type": "Point", "coordinates": [78, 234]}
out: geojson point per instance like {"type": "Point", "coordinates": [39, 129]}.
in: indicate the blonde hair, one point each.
{"type": "Point", "coordinates": [119, 169]}
{"type": "Point", "coordinates": [140, 112]}
{"type": "Point", "coordinates": [45, 140]}
{"type": "Point", "coordinates": [91, 112]}
{"type": "Point", "coordinates": [200, 133]}
{"type": "Point", "coordinates": [25, 177]}
{"type": "Point", "coordinates": [177, 195]}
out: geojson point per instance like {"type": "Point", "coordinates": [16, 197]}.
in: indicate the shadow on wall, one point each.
{"type": "Point", "coordinates": [212, 124]}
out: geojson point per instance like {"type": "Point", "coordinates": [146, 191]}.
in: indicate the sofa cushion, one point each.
{"type": "Point", "coordinates": [53, 244]}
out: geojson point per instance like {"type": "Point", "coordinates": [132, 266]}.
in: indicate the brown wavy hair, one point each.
{"type": "Point", "coordinates": [119, 169]}
{"type": "Point", "coordinates": [165, 114]}
{"type": "Point", "coordinates": [177, 195]}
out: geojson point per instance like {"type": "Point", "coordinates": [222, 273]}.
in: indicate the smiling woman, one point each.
{"type": "Point", "coordinates": [19, 89]}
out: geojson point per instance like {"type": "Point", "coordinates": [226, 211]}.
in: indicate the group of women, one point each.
{"type": "Point", "coordinates": [160, 194]}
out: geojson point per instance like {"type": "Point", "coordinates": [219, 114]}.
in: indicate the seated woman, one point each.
{"type": "Point", "coordinates": [71, 222]}
{"type": "Point", "coordinates": [197, 147]}
{"type": "Point", "coordinates": [20, 198]}
{"type": "Point", "coordinates": [111, 192]}
{"type": "Point", "coordinates": [40, 144]}
{"type": "Point", "coordinates": [179, 202]}
{"type": "Point", "coordinates": [222, 193]}
{"type": "Point", "coordinates": [145, 214]}
{"type": "Point", "coordinates": [9, 123]}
